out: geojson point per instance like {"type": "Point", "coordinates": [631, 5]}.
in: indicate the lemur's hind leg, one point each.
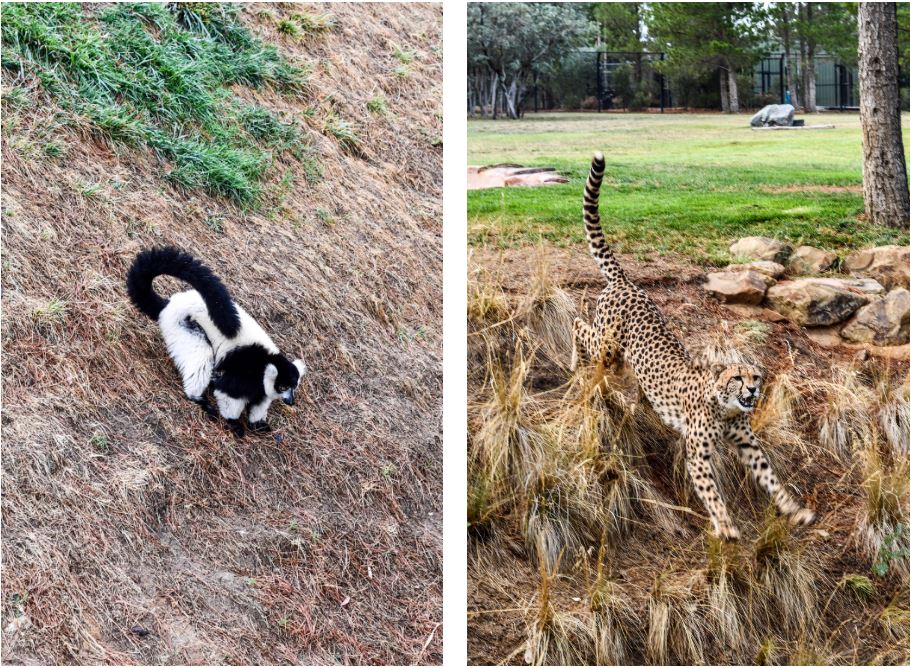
{"type": "Point", "coordinates": [206, 406]}
{"type": "Point", "coordinates": [231, 410]}
{"type": "Point", "coordinates": [192, 354]}
{"type": "Point", "coordinates": [740, 433]}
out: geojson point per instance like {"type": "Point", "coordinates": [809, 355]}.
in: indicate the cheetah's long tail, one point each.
{"type": "Point", "coordinates": [597, 244]}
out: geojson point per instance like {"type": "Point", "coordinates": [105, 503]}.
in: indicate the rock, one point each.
{"type": "Point", "coordinates": [887, 264]}
{"type": "Point", "coordinates": [742, 287]}
{"type": "Point", "coordinates": [811, 260]}
{"type": "Point", "coordinates": [883, 322]}
{"type": "Point", "coordinates": [814, 302]}
{"type": "Point", "coordinates": [865, 286]}
{"type": "Point", "coordinates": [829, 337]}
{"type": "Point", "coordinates": [773, 114]}
{"type": "Point", "coordinates": [761, 248]}
{"type": "Point", "coordinates": [766, 267]}
{"type": "Point", "coordinates": [498, 176]}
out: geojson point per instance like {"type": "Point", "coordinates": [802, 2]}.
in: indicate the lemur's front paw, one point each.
{"type": "Point", "coordinates": [803, 516]}
{"type": "Point", "coordinates": [206, 407]}
{"type": "Point", "coordinates": [237, 427]}
{"type": "Point", "coordinates": [261, 427]}
{"type": "Point", "coordinates": [728, 532]}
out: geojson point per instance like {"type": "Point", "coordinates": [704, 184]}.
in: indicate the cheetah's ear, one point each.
{"type": "Point", "coordinates": [718, 369]}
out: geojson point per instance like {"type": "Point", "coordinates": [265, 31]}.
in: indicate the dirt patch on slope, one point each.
{"type": "Point", "coordinates": [135, 530]}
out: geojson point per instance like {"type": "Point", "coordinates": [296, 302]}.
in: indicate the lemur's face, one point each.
{"type": "Point", "coordinates": [282, 378]}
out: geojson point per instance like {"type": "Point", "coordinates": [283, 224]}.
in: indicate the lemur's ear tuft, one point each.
{"type": "Point", "coordinates": [271, 372]}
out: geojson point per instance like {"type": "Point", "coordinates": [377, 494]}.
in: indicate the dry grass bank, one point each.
{"type": "Point", "coordinates": [136, 531]}
{"type": "Point", "coordinates": [586, 544]}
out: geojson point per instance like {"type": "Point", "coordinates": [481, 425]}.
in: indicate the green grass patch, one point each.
{"type": "Point", "coordinates": [377, 105]}
{"type": "Point", "coordinates": [159, 76]}
{"type": "Point", "coordinates": [343, 132]}
{"type": "Point", "coordinates": [676, 183]}
{"type": "Point", "coordinates": [404, 56]}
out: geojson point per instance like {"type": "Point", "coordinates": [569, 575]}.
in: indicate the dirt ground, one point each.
{"type": "Point", "coordinates": [135, 531]}
{"type": "Point", "coordinates": [503, 584]}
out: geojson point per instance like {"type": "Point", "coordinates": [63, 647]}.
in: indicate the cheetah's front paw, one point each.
{"type": "Point", "coordinates": [728, 532]}
{"type": "Point", "coordinates": [802, 516]}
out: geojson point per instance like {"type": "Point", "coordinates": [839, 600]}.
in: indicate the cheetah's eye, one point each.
{"type": "Point", "coordinates": [739, 379]}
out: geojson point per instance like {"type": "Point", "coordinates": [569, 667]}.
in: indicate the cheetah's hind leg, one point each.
{"type": "Point", "coordinates": [584, 343]}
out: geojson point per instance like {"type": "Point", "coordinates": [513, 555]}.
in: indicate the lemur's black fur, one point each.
{"type": "Point", "coordinates": [171, 261]}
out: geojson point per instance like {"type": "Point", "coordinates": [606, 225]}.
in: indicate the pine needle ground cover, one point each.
{"type": "Point", "coordinates": [134, 529]}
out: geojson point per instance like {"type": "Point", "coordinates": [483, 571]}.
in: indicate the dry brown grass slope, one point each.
{"type": "Point", "coordinates": [124, 510]}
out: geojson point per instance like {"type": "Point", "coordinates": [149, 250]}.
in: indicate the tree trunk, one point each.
{"type": "Point", "coordinates": [494, 82]}
{"type": "Point", "coordinates": [725, 98]}
{"type": "Point", "coordinates": [802, 53]}
{"type": "Point", "coordinates": [885, 174]}
{"type": "Point", "coordinates": [809, 95]}
{"type": "Point", "coordinates": [509, 96]}
{"type": "Point", "coordinates": [733, 97]}
{"type": "Point", "coordinates": [788, 63]}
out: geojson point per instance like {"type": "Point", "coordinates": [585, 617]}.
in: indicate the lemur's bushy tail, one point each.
{"type": "Point", "coordinates": [175, 262]}
{"type": "Point", "coordinates": [597, 244]}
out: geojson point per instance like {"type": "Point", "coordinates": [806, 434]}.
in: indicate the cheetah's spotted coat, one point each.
{"type": "Point", "coordinates": [705, 405]}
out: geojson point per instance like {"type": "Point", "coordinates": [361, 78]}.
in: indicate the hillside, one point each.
{"type": "Point", "coordinates": [135, 530]}
{"type": "Point", "coordinates": [586, 543]}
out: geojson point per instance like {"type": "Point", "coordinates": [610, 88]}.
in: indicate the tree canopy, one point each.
{"type": "Point", "coordinates": [709, 47]}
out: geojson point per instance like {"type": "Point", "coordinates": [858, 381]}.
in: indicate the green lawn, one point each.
{"type": "Point", "coordinates": [688, 183]}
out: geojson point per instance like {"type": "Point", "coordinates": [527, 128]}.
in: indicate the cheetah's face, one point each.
{"type": "Point", "coordinates": [738, 387]}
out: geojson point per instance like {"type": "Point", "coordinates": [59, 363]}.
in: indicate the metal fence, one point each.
{"type": "Point", "coordinates": [836, 83]}
{"type": "Point", "coordinates": [628, 80]}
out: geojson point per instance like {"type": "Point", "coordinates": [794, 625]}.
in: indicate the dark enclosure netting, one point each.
{"type": "Point", "coordinates": [836, 83]}
{"type": "Point", "coordinates": [585, 79]}
{"type": "Point", "coordinates": [592, 80]}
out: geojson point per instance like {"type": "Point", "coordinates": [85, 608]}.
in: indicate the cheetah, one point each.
{"type": "Point", "coordinates": [703, 403]}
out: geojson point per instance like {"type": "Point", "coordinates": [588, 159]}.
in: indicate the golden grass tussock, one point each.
{"type": "Point", "coordinates": [776, 419]}
{"type": "Point", "coordinates": [728, 593]}
{"type": "Point", "coordinates": [678, 626]}
{"type": "Point", "coordinates": [845, 415]}
{"type": "Point", "coordinates": [882, 525]}
{"type": "Point", "coordinates": [555, 638]}
{"type": "Point", "coordinates": [509, 446]}
{"type": "Point", "coordinates": [548, 312]}
{"type": "Point", "coordinates": [562, 517]}
{"type": "Point", "coordinates": [614, 626]}
{"type": "Point", "coordinates": [894, 620]}
{"type": "Point", "coordinates": [894, 408]}
{"type": "Point", "coordinates": [785, 579]}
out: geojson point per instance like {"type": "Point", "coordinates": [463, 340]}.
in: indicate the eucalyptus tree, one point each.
{"type": "Point", "coordinates": [509, 43]}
